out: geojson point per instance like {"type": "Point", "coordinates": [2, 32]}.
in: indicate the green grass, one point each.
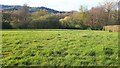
{"type": "Point", "coordinates": [59, 48]}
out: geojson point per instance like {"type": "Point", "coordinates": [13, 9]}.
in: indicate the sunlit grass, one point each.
{"type": "Point", "coordinates": [59, 47]}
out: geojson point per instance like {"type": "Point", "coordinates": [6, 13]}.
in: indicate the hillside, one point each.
{"type": "Point", "coordinates": [10, 8]}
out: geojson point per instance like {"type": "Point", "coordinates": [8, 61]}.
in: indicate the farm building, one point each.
{"type": "Point", "coordinates": [112, 28]}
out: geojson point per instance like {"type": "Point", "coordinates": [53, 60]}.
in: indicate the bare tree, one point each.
{"type": "Point", "coordinates": [109, 5]}
{"type": "Point", "coordinates": [20, 16]}
{"type": "Point", "coordinates": [97, 16]}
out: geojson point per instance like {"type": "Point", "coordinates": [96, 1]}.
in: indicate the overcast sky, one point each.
{"type": "Point", "coordinates": [61, 5]}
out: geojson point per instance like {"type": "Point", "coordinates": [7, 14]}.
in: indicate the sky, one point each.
{"type": "Point", "coordinates": [61, 5]}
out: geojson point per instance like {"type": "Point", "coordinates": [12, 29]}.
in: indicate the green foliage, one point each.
{"type": "Point", "coordinates": [76, 20]}
{"type": "Point", "coordinates": [66, 22]}
{"type": "Point", "coordinates": [59, 48]}
{"type": "Point", "coordinates": [39, 13]}
{"type": "Point", "coordinates": [6, 20]}
{"type": "Point", "coordinates": [77, 26]}
{"type": "Point", "coordinates": [46, 21]}
{"type": "Point", "coordinates": [95, 19]}
{"type": "Point", "coordinates": [6, 17]}
{"type": "Point", "coordinates": [6, 25]}
{"type": "Point", "coordinates": [20, 18]}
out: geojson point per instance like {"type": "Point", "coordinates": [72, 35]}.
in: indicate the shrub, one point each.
{"type": "Point", "coordinates": [6, 25]}
{"type": "Point", "coordinates": [45, 22]}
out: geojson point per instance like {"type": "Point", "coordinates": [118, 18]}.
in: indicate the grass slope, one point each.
{"type": "Point", "coordinates": [59, 47]}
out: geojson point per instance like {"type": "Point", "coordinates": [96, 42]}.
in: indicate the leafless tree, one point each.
{"type": "Point", "coordinates": [109, 6]}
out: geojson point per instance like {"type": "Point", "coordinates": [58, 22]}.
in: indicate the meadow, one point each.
{"type": "Point", "coordinates": [59, 48]}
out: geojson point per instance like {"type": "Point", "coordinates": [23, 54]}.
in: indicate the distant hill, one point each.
{"type": "Point", "coordinates": [10, 8]}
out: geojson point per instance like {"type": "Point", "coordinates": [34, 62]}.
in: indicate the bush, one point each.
{"type": "Point", "coordinates": [77, 26]}
{"type": "Point", "coordinates": [6, 25]}
{"type": "Point", "coordinates": [45, 22]}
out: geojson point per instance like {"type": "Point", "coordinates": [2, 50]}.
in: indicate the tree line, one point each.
{"type": "Point", "coordinates": [95, 18]}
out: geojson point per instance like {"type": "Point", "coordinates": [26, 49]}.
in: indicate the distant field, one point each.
{"type": "Point", "coordinates": [59, 47]}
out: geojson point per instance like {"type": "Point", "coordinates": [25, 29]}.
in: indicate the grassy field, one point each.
{"type": "Point", "coordinates": [59, 47]}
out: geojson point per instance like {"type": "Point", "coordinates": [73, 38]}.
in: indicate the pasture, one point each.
{"type": "Point", "coordinates": [59, 48]}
